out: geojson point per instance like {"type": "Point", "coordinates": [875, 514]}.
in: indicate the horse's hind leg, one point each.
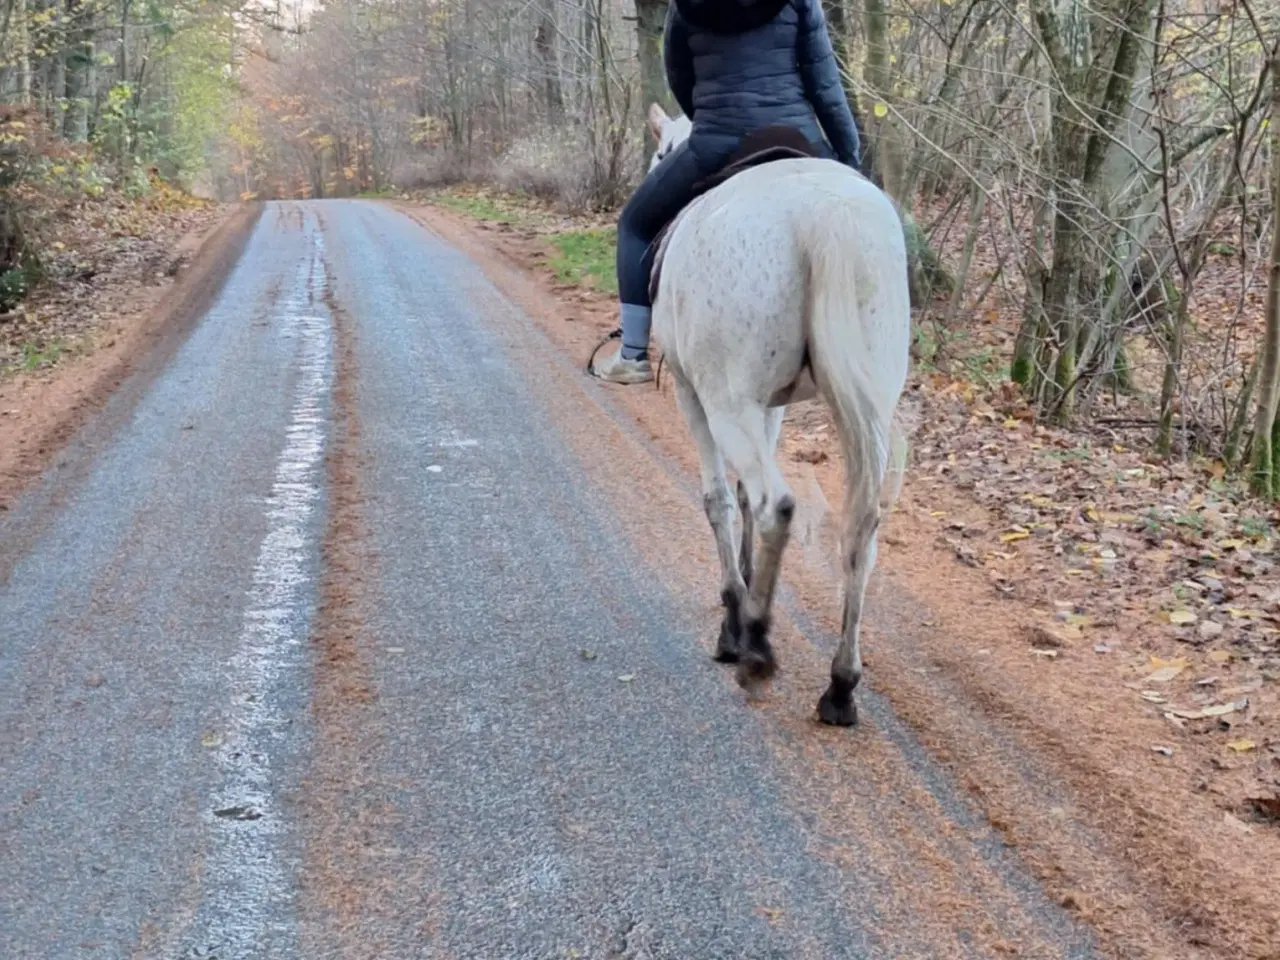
{"type": "Point", "coordinates": [747, 438]}
{"type": "Point", "coordinates": [718, 503]}
{"type": "Point", "coordinates": [746, 549]}
{"type": "Point", "coordinates": [746, 553]}
{"type": "Point", "coordinates": [836, 705]}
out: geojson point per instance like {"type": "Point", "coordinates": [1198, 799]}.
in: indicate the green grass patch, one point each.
{"type": "Point", "coordinates": [587, 258]}
{"type": "Point", "coordinates": [35, 356]}
{"type": "Point", "coordinates": [478, 206]}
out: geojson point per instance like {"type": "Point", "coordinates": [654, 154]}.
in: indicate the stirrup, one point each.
{"type": "Point", "coordinates": [614, 335]}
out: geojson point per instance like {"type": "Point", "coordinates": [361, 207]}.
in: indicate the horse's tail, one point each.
{"type": "Point", "coordinates": [858, 340]}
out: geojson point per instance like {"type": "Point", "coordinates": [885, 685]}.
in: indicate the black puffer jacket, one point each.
{"type": "Point", "coordinates": [735, 66]}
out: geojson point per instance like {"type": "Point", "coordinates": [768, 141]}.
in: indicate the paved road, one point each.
{"type": "Point", "coordinates": [346, 638]}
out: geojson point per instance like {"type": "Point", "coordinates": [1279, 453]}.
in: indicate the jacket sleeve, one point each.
{"type": "Point", "coordinates": [821, 76]}
{"type": "Point", "coordinates": [678, 60]}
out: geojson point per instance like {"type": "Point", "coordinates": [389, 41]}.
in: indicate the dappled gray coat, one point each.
{"type": "Point", "coordinates": [735, 66]}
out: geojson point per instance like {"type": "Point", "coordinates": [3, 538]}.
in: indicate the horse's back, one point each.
{"type": "Point", "coordinates": [734, 296]}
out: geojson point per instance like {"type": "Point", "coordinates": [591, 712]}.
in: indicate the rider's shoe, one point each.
{"type": "Point", "coordinates": [617, 369]}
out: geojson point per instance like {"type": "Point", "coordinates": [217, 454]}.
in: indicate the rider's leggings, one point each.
{"type": "Point", "coordinates": [662, 195]}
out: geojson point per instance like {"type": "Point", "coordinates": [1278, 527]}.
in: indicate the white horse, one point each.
{"type": "Point", "coordinates": [785, 282]}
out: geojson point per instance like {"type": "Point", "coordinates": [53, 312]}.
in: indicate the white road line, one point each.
{"type": "Point", "coordinates": [247, 909]}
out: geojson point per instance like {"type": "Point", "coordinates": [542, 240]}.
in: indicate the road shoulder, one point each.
{"type": "Point", "coordinates": [40, 411]}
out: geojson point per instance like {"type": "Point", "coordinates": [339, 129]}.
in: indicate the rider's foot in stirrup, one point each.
{"type": "Point", "coordinates": [617, 369]}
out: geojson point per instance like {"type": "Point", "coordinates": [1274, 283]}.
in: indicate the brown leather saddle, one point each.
{"type": "Point", "coordinates": [766, 145]}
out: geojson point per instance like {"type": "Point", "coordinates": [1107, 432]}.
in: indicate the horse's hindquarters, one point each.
{"type": "Point", "coordinates": [730, 308]}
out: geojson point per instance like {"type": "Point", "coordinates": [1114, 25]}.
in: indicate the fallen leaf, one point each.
{"type": "Point", "coordinates": [1249, 686]}
{"type": "Point", "coordinates": [1238, 614]}
{"type": "Point", "coordinates": [1152, 697]}
{"type": "Point", "coordinates": [1236, 823]}
{"type": "Point", "coordinates": [1217, 710]}
{"type": "Point", "coordinates": [627, 677]}
{"type": "Point", "coordinates": [1163, 751]}
{"type": "Point", "coordinates": [1053, 637]}
{"type": "Point", "coordinates": [211, 740]}
{"type": "Point", "coordinates": [1181, 617]}
{"type": "Point", "coordinates": [1047, 654]}
{"type": "Point", "coordinates": [1166, 670]}
{"type": "Point", "coordinates": [1014, 535]}
{"type": "Point", "coordinates": [1267, 804]}
{"type": "Point", "coordinates": [587, 654]}
{"type": "Point", "coordinates": [243, 812]}
{"type": "Point", "coordinates": [1242, 746]}
{"type": "Point", "coordinates": [772, 914]}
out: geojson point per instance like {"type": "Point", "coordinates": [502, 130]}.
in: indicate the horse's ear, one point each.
{"type": "Point", "coordinates": [657, 119]}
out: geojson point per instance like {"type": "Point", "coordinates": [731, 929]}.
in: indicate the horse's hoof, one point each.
{"type": "Point", "coordinates": [726, 646]}
{"type": "Point", "coordinates": [755, 668]}
{"type": "Point", "coordinates": [837, 708]}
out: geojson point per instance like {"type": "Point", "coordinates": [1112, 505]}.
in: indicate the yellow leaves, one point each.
{"type": "Point", "coordinates": [1241, 746]}
{"type": "Point", "coordinates": [1180, 618]}
{"type": "Point", "coordinates": [881, 110]}
{"type": "Point", "coordinates": [1014, 535]}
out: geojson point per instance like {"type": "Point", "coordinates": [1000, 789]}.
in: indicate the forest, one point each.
{"type": "Point", "coordinates": [1088, 187]}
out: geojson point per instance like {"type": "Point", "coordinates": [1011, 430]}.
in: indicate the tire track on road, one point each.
{"type": "Point", "coordinates": [360, 888]}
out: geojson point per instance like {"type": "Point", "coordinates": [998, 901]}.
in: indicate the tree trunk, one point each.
{"type": "Point", "coordinates": [882, 157]}
{"type": "Point", "coordinates": [881, 143]}
{"type": "Point", "coordinates": [79, 57]}
{"type": "Point", "coordinates": [1266, 478]}
{"type": "Point", "coordinates": [651, 15]}
{"type": "Point", "coordinates": [545, 45]}
{"type": "Point", "coordinates": [124, 41]}
{"type": "Point", "coordinates": [24, 56]}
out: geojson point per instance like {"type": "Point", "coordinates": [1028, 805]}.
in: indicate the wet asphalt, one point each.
{"type": "Point", "coordinates": [548, 766]}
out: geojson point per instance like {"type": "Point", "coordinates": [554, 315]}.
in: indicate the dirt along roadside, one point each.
{"type": "Point", "coordinates": [1087, 720]}
{"type": "Point", "coordinates": [138, 326]}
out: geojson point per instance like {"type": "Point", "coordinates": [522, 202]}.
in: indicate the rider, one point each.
{"type": "Point", "coordinates": [734, 66]}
